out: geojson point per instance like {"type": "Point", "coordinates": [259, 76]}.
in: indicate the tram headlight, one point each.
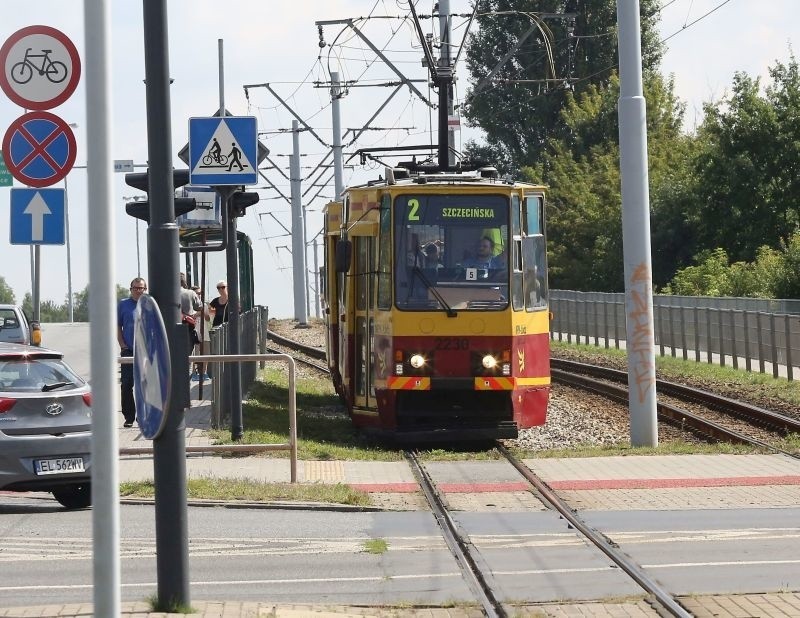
{"type": "Point", "coordinates": [489, 362]}
{"type": "Point", "coordinates": [417, 361]}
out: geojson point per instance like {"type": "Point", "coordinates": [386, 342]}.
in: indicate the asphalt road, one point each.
{"type": "Point", "coordinates": [73, 341]}
{"type": "Point", "coordinates": [320, 557]}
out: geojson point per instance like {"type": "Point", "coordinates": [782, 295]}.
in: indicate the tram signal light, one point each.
{"type": "Point", "coordinates": [240, 201]}
{"type": "Point", "coordinates": [141, 180]}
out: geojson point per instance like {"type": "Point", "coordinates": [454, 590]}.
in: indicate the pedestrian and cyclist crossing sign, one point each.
{"type": "Point", "coordinates": [223, 151]}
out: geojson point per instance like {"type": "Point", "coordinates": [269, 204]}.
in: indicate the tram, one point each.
{"type": "Point", "coordinates": [435, 301]}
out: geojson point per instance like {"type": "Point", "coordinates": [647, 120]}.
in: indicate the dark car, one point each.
{"type": "Point", "coordinates": [45, 425]}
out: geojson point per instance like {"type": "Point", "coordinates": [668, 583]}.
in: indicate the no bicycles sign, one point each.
{"type": "Point", "coordinates": [39, 67]}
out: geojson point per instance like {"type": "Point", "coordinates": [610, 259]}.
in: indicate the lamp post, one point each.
{"type": "Point", "coordinates": [136, 198]}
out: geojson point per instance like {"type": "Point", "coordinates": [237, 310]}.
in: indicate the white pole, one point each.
{"type": "Point", "coordinates": [338, 167]}
{"type": "Point", "coordinates": [298, 231]}
{"type": "Point", "coordinates": [102, 309]}
{"type": "Point", "coordinates": [70, 302]}
{"type": "Point", "coordinates": [636, 230]}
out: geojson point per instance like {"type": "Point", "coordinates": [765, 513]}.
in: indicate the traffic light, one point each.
{"type": "Point", "coordinates": [141, 181]}
{"type": "Point", "coordinates": [240, 200]}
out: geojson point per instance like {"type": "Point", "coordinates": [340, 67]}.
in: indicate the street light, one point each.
{"type": "Point", "coordinates": [136, 198]}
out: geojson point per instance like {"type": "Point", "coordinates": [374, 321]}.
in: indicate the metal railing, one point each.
{"type": "Point", "coordinates": [744, 337]}
{"type": "Point", "coordinates": [252, 340]}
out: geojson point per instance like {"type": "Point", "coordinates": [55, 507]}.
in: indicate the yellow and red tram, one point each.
{"type": "Point", "coordinates": [435, 294]}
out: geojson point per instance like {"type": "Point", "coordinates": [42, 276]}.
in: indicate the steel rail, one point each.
{"type": "Point", "coordinates": [677, 417]}
{"type": "Point", "coordinates": [308, 350]}
{"type": "Point", "coordinates": [768, 419]}
{"type": "Point", "coordinates": [664, 598]}
{"type": "Point", "coordinates": [458, 547]}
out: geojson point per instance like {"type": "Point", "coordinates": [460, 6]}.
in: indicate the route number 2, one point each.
{"type": "Point", "coordinates": [413, 212]}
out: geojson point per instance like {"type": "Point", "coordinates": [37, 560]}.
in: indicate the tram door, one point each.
{"type": "Point", "coordinates": [364, 284]}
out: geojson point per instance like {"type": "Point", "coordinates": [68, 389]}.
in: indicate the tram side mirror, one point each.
{"type": "Point", "coordinates": [344, 252]}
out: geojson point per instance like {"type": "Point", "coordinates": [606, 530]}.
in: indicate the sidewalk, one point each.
{"type": "Point", "coordinates": [656, 482]}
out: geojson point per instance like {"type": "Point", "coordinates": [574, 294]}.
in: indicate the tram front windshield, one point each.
{"type": "Point", "coordinates": [451, 252]}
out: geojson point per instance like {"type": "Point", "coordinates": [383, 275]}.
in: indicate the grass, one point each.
{"type": "Point", "coordinates": [251, 491]}
{"type": "Point", "coordinates": [677, 369]}
{"type": "Point", "coordinates": [169, 607]}
{"type": "Point", "coordinates": [324, 430]}
{"type": "Point", "coordinates": [376, 546]}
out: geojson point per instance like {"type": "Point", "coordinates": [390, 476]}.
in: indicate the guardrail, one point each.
{"type": "Point", "coordinates": [754, 340]}
{"type": "Point", "coordinates": [291, 445]}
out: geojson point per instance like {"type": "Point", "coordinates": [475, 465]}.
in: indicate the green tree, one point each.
{"type": "Point", "coordinates": [564, 56]}
{"type": "Point", "coordinates": [581, 167]}
{"type": "Point", "coordinates": [787, 281]}
{"type": "Point", "coordinates": [748, 186]}
{"type": "Point", "coordinates": [6, 293]}
{"type": "Point", "coordinates": [80, 309]}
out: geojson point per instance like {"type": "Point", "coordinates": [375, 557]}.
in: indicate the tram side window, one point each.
{"type": "Point", "coordinates": [517, 297]}
{"type": "Point", "coordinates": [532, 216]}
{"type": "Point", "coordinates": [535, 272]}
{"type": "Point", "coordinates": [385, 256]}
{"type": "Point", "coordinates": [362, 269]}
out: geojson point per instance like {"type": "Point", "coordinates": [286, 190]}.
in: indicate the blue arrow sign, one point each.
{"type": "Point", "coordinates": [37, 216]}
{"type": "Point", "coordinates": [151, 367]}
{"type": "Point", "coordinates": [223, 151]}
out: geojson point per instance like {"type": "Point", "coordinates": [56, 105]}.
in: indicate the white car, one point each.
{"type": "Point", "coordinates": [45, 425]}
{"type": "Point", "coordinates": [15, 327]}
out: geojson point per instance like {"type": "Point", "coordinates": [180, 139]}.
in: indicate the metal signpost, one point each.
{"type": "Point", "coordinates": [40, 69]}
{"type": "Point", "coordinates": [224, 153]}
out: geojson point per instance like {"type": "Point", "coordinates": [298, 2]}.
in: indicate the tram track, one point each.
{"type": "Point", "coordinates": [480, 582]}
{"type": "Point", "coordinates": [603, 381]}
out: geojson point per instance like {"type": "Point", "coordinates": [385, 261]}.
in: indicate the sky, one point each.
{"type": "Point", "coordinates": [277, 42]}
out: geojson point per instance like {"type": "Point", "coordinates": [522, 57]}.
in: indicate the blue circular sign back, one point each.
{"type": "Point", "coordinates": [152, 372]}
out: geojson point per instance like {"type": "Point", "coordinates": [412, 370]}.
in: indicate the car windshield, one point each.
{"type": "Point", "coordinates": [450, 252]}
{"type": "Point", "coordinates": [29, 374]}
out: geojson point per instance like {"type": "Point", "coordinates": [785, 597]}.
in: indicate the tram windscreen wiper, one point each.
{"type": "Point", "coordinates": [451, 313]}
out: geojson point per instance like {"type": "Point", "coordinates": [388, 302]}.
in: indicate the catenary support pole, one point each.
{"type": "Point", "coordinates": [169, 449]}
{"type": "Point", "coordinates": [445, 57]}
{"type": "Point", "coordinates": [102, 309]}
{"type": "Point", "coordinates": [298, 227]}
{"type": "Point", "coordinates": [636, 230]}
{"type": "Point", "coordinates": [338, 166]}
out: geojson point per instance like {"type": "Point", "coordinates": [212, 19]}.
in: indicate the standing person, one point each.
{"type": "Point", "coordinates": [203, 328]}
{"type": "Point", "coordinates": [190, 306]}
{"type": "Point", "coordinates": [125, 323]}
{"type": "Point", "coordinates": [219, 305]}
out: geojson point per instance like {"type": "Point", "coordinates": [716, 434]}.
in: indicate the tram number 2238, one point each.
{"type": "Point", "coordinates": [451, 343]}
